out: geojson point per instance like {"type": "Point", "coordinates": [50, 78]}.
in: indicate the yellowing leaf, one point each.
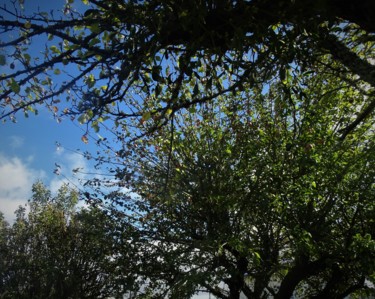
{"type": "Point", "coordinates": [146, 116]}
{"type": "Point", "coordinates": [85, 139]}
{"type": "Point", "coordinates": [27, 25]}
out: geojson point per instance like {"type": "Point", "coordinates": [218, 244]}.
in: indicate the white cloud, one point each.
{"type": "Point", "coordinates": [16, 179]}
{"type": "Point", "coordinates": [16, 141]}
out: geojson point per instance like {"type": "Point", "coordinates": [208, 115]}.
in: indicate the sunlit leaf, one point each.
{"type": "Point", "coordinates": [146, 116]}
{"type": "Point", "coordinates": [55, 50]}
{"type": "Point", "coordinates": [27, 25]}
{"type": "Point", "coordinates": [85, 139]}
{"type": "Point", "coordinates": [82, 119]}
{"type": "Point", "coordinates": [90, 81]}
{"type": "Point", "coordinates": [14, 86]}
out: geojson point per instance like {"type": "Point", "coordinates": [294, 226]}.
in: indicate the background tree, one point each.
{"type": "Point", "coordinates": [152, 49]}
{"type": "Point", "coordinates": [3, 248]}
{"type": "Point", "coordinates": [257, 194]}
{"type": "Point", "coordinates": [55, 251]}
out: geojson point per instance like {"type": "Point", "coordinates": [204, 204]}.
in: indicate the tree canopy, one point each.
{"type": "Point", "coordinates": [136, 59]}
{"type": "Point", "coordinates": [57, 251]}
{"type": "Point", "coordinates": [255, 195]}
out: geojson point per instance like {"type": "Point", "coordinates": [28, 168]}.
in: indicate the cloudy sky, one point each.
{"type": "Point", "coordinates": [28, 150]}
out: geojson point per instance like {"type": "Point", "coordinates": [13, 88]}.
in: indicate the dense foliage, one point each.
{"type": "Point", "coordinates": [57, 251]}
{"type": "Point", "coordinates": [257, 194]}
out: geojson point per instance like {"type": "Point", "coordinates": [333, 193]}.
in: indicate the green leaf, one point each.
{"type": "Point", "coordinates": [2, 60]}
{"type": "Point", "coordinates": [94, 41]}
{"type": "Point", "coordinates": [257, 256]}
{"type": "Point", "coordinates": [146, 116]}
{"type": "Point", "coordinates": [82, 119]}
{"type": "Point", "coordinates": [90, 81]}
{"type": "Point", "coordinates": [27, 25]}
{"type": "Point", "coordinates": [46, 81]}
{"type": "Point", "coordinates": [55, 50]}
{"type": "Point", "coordinates": [95, 28]}
{"type": "Point", "coordinates": [95, 126]}
{"type": "Point", "coordinates": [27, 58]}
{"type": "Point", "coordinates": [192, 109]}
{"type": "Point", "coordinates": [14, 86]}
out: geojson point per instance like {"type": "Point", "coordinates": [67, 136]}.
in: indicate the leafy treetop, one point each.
{"type": "Point", "coordinates": [133, 60]}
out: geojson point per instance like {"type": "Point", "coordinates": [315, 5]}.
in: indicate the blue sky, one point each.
{"type": "Point", "coordinates": [28, 153]}
{"type": "Point", "coordinates": [28, 150]}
